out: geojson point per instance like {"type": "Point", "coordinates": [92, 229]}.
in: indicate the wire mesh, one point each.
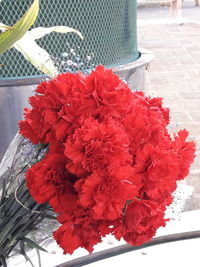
{"type": "Point", "coordinates": [108, 26]}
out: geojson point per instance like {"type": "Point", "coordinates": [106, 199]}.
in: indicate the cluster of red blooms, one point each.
{"type": "Point", "coordinates": [111, 166]}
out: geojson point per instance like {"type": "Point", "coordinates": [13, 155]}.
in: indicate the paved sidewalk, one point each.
{"type": "Point", "coordinates": [159, 9]}
{"type": "Point", "coordinates": [175, 75]}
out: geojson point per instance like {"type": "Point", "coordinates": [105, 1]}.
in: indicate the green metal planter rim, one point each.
{"type": "Point", "coordinates": [145, 57]}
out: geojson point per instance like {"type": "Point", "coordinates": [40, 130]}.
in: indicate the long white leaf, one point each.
{"type": "Point", "coordinates": [37, 55]}
{"type": "Point", "coordinates": [4, 27]}
{"type": "Point", "coordinates": [39, 32]}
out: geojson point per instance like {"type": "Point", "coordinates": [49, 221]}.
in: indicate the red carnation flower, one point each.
{"type": "Point", "coordinates": [159, 171]}
{"type": "Point", "coordinates": [146, 123]}
{"type": "Point", "coordinates": [53, 113]}
{"type": "Point", "coordinates": [49, 181]}
{"type": "Point", "coordinates": [111, 166]}
{"type": "Point", "coordinates": [185, 153]}
{"type": "Point", "coordinates": [96, 146]}
{"type": "Point", "coordinates": [100, 192]}
{"type": "Point", "coordinates": [63, 103]}
{"type": "Point", "coordinates": [111, 95]}
{"type": "Point", "coordinates": [78, 229]}
{"type": "Point", "coordinates": [141, 220]}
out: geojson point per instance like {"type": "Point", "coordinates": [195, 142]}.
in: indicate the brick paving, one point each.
{"type": "Point", "coordinates": [174, 74]}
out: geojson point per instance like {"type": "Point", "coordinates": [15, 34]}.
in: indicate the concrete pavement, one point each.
{"type": "Point", "coordinates": [174, 74]}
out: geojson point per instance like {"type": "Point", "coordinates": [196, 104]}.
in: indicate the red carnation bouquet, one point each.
{"type": "Point", "coordinates": [111, 165]}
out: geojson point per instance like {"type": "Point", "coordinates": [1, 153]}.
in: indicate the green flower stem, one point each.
{"type": "Point", "coordinates": [19, 213]}
{"type": "Point", "coordinates": [18, 221]}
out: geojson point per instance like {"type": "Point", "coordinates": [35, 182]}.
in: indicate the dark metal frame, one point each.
{"type": "Point", "coordinates": [108, 253]}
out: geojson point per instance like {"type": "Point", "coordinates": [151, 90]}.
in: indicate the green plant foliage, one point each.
{"type": "Point", "coordinates": [36, 55]}
{"type": "Point", "coordinates": [12, 34]}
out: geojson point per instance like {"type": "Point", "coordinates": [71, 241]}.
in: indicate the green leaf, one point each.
{"type": "Point", "coordinates": [3, 253]}
{"type": "Point", "coordinates": [36, 55]}
{"type": "Point", "coordinates": [38, 253]}
{"type": "Point", "coordinates": [22, 251]}
{"type": "Point", "coordinates": [32, 244]}
{"type": "Point", "coordinates": [3, 261]}
{"type": "Point", "coordinates": [17, 31]}
{"type": "Point", "coordinates": [50, 217]}
{"type": "Point", "coordinates": [3, 194]}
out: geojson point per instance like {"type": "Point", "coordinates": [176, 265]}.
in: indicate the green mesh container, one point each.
{"type": "Point", "coordinates": [108, 27]}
